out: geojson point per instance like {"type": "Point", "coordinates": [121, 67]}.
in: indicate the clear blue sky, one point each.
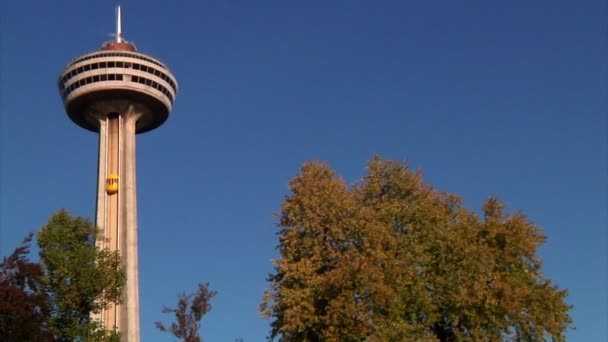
{"type": "Point", "coordinates": [487, 97]}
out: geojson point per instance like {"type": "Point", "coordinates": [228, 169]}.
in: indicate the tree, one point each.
{"type": "Point", "coordinates": [190, 310]}
{"type": "Point", "coordinates": [79, 278]}
{"type": "Point", "coordinates": [51, 300]}
{"type": "Point", "coordinates": [23, 304]}
{"type": "Point", "coordinates": [392, 259]}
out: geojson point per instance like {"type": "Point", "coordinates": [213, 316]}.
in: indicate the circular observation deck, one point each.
{"type": "Point", "coordinates": [113, 79]}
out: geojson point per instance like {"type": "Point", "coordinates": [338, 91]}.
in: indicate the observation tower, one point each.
{"type": "Point", "coordinates": [118, 93]}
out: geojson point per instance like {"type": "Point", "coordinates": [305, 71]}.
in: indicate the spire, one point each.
{"type": "Point", "coordinates": [118, 25]}
{"type": "Point", "coordinates": [119, 43]}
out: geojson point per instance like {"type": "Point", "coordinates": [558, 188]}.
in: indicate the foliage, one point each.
{"type": "Point", "coordinates": [392, 259]}
{"type": "Point", "coordinates": [23, 304]}
{"type": "Point", "coordinates": [52, 300]}
{"type": "Point", "coordinates": [188, 314]}
{"type": "Point", "coordinates": [80, 278]}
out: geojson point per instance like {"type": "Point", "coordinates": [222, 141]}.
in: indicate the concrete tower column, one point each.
{"type": "Point", "coordinates": [101, 184]}
{"type": "Point", "coordinates": [129, 321]}
{"type": "Point", "coordinates": [117, 213]}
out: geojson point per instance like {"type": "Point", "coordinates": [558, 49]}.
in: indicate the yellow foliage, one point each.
{"type": "Point", "coordinates": [392, 259]}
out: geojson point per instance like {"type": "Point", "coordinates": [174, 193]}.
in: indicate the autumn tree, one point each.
{"type": "Point", "coordinates": [392, 259]}
{"type": "Point", "coordinates": [23, 303]}
{"type": "Point", "coordinates": [79, 278]}
{"type": "Point", "coordinates": [190, 310]}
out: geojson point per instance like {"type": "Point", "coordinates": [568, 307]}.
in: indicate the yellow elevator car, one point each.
{"type": "Point", "coordinates": [112, 184]}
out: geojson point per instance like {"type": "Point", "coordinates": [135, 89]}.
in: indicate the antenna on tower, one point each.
{"type": "Point", "coordinates": [118, 43]}
{"type": "Point", "coordinates": [118, 25]}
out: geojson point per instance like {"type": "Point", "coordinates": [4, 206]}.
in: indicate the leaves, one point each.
{"type": "Point", "coordinates": [392, 259]}
{"type": "Point", "coordinates": [80, 279]}
{"type": "Point", "coordinates": [23, 304]}
{"type": "Point", "coordinates": [52, 300]}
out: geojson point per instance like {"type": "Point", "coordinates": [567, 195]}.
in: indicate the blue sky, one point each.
{"type": "Point", "coordinates": [486, 97]}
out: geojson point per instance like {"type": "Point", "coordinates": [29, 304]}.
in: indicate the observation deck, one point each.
{"type": "Point", "coordinates": [97, 84]}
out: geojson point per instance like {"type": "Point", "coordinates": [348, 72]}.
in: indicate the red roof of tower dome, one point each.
{"type": "Point", "coordinates": [118, 46]}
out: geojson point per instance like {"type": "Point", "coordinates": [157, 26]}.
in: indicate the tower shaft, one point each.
{"type": "Point", "coordinates": [117, 212]}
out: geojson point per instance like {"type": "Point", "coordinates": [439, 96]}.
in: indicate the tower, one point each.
{"type": "Point", "coordinates": [118, 93]}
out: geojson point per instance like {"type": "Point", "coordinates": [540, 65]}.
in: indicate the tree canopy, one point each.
{"type": "Point", "coordinates": [53, 299]}
{"type": "Point", "coordinates": [80, 278]}
{"type": "Point", "coordinates": [392, 259]}
{"type": "Point", "coordinates": [23, 302]}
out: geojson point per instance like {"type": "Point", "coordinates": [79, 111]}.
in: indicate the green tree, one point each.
{"type": "Point", "coordinates": [79, 278]}
{"type": "Point", "coordinates": [392, 259]}
{"type": "Point", "coordinates": [190, 310]}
